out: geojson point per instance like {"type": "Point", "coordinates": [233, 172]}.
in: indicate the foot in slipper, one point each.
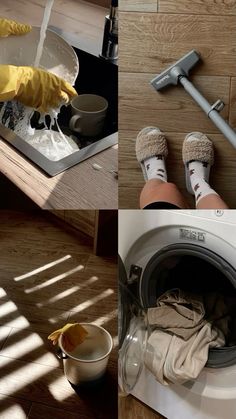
{"type": "Point", "coordinates": [151, 151]}
{"type": "Point", "coordinates": [198, 157]}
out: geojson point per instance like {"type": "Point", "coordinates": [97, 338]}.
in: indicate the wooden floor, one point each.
{"type": "Point", "coordinates": [131, 408]}
{"type": "Point", "coordinates": [49, 276]}
{"type": "Point", "coordinates": [153, 35]}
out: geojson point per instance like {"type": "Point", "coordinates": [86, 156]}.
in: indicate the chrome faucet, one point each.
{"type": "Point", "coordinates": [110, 36]}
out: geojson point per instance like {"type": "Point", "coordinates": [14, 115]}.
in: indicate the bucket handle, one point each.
{"type": "Point", "coordinates": [60, 354]}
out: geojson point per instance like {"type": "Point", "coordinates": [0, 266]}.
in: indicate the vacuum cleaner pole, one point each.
{"type": "Point", "coordinates": [212, 111]}
{"type": "Point", "coordinates": [178, 74]}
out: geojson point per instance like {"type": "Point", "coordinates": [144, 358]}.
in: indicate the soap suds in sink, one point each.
{"type": "Point", "coordinates": [50, 144]}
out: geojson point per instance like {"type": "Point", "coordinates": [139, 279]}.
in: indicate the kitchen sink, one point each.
{"type": "Point", "coordinates": [96, 76]}
{"type": "Point", "coordinates": [99, 77]}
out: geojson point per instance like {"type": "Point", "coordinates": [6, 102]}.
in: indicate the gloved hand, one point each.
{"type": "Point", "coordinates": [34, 87]}
{"type": "Point", "coordinates": [10, 27]}
{"type": "Point", "coordinates": [73, 334]}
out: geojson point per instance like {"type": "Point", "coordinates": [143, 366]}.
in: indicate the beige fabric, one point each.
{"type": "Point", "coordinates": [197, 146]}
{"type": "Point", "coordinates": [177, 349]}
{"type": "Point", "coordinates": [180, 313]}
{"type": "Point", "coordinates": [150, 142]}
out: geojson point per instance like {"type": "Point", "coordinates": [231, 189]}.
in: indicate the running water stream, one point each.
{"type": "Point", "coordinates": [46, 17]}
{"type": "Point", "coordinates": [49, 136]}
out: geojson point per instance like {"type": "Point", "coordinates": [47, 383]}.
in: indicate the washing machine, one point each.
{"type": "Point", "coordinates": [160, 250]}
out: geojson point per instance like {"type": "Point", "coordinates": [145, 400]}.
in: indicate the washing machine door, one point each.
{"type": "Point", "coordinates": [133, 332]}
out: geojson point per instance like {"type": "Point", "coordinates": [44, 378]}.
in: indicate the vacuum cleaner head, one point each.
{"type": "Point", "coordinates": [180, 68]}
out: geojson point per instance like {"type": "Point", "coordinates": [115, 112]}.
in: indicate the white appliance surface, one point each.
{"type": "Point", "coordinates": [133, 224]}
{"type": "Point", "coordinates": [179, 402]}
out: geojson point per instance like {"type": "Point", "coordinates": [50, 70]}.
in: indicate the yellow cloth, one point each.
{"type": "Point", "coordinates": [10, 27]}
{"type": "Point", "coordinates": [73, 334]}
{"type": "Point", "coordinates": [34, 87]}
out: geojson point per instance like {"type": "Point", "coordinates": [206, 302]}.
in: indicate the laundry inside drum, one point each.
{"type": "Point", "coordinates": [199, 275]}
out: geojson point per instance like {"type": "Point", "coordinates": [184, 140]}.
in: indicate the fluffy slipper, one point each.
{"type": "Point", "coordinates": [197, 147]}
{"type": "Point", "coordinates": [150, 142]}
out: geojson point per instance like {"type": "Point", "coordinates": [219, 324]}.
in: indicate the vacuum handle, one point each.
{"type": "Point", "coordinates": [211, 112]}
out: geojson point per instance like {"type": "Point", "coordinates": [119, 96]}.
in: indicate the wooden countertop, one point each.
{"type": "Point", "coordinates": [78, 17]}
{"type": "Point", "coordinates": [81, 187]}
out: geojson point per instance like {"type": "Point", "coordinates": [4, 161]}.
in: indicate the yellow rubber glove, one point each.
{"type": "Point", "coordinates": [34, 87]}
{"type": "Point", "coordinates": [73, 334]}
{"type": "Point", "coordinates": [10, 27]}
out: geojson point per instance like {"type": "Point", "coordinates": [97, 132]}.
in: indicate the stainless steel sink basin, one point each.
{"type": "Point", "coordinates": [96, 76]}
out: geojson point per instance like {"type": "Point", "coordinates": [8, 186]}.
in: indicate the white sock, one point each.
{"type": "Point", "coordinates": [155, 168]}
{"type": "Point", "coordinates": [199, 181]}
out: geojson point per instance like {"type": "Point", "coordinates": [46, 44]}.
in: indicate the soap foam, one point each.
{"type": "Point", "coordinates": [50, 144]}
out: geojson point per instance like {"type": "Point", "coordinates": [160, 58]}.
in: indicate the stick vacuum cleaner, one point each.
{"type": "Point", "coordinates": [178, 73]}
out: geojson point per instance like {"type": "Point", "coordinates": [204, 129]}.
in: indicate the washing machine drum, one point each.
{"type": "Point", "coordinates": [194, 269]}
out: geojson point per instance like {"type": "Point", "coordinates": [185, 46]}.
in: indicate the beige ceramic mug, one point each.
{"type": "Point", "coordinates": [89, 113]}
{"type": "Point", "coordinates": [89, 360]}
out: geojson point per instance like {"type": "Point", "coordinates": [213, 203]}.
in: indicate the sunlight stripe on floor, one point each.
{"type": "Point", "coordinates": [42, 268]}
{"type": "Point", "coordinates": [54, 279]}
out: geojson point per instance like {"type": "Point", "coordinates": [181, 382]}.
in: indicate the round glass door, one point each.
{"type": "Point", "coordinates": [131, 354]}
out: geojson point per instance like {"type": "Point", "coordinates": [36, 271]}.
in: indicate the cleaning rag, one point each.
{"type": "Point", "coordinates": [73, 334]}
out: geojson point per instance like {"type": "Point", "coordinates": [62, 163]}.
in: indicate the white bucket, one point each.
{"type": "Point", "coordinates": [89, 360]}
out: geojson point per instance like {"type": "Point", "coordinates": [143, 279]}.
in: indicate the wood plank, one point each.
{"type": "Point", "coordinates": [34, 376]}
{"type": "Point", "coordinates": [82, 220]}
{"type": "Point", "coordinates": [71, 14]}
{"type": "Point", "coordinates": [4, 333]}
{"type": "Point", "coordinates": [81, 18]}
{"type": "Point", "coordinates": [28, 346]}
{"type": "Point", "coordinates": [132, 408]}
{"type": "Point", "coordinates": [138, 6]}
{"type": "Point", "coordinates": [39, 411]}
{"type": "Point", "coordinates": [33, 381]}
{"type": "Point", "coordinates": [65, 284]}
{"type": "Point", "coordinates": [232, 115]}
{"type": "Point", "coordinates": [220, 7]}
{"type": "Point", "coordinates": [103, 3]}
{"type": "Point", "coordinates": [13, 408]}
{"type": "Point", "coordinates": [59, 214]}
{"type": "Point", "coordinates": [103, 266]}
{"type": "Point", "coordinates": [129, 197]}
{"type": "Point", "coordinates": [131, 180]}
{"type": "Point", "coordinates": [59, 247]}
{"type": "Point", "coordinates": [80, 187]}
{"type": "Point", "coordinates": [174, 110]}
{"type": "Point", "coordinates": [49, 261]}
{"type": "Point", "coordinates": [21, 316]}
{"type": "Point", "coordinates": [64, 291]}
{"type": "Point", "coordinates": [158, 40]}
